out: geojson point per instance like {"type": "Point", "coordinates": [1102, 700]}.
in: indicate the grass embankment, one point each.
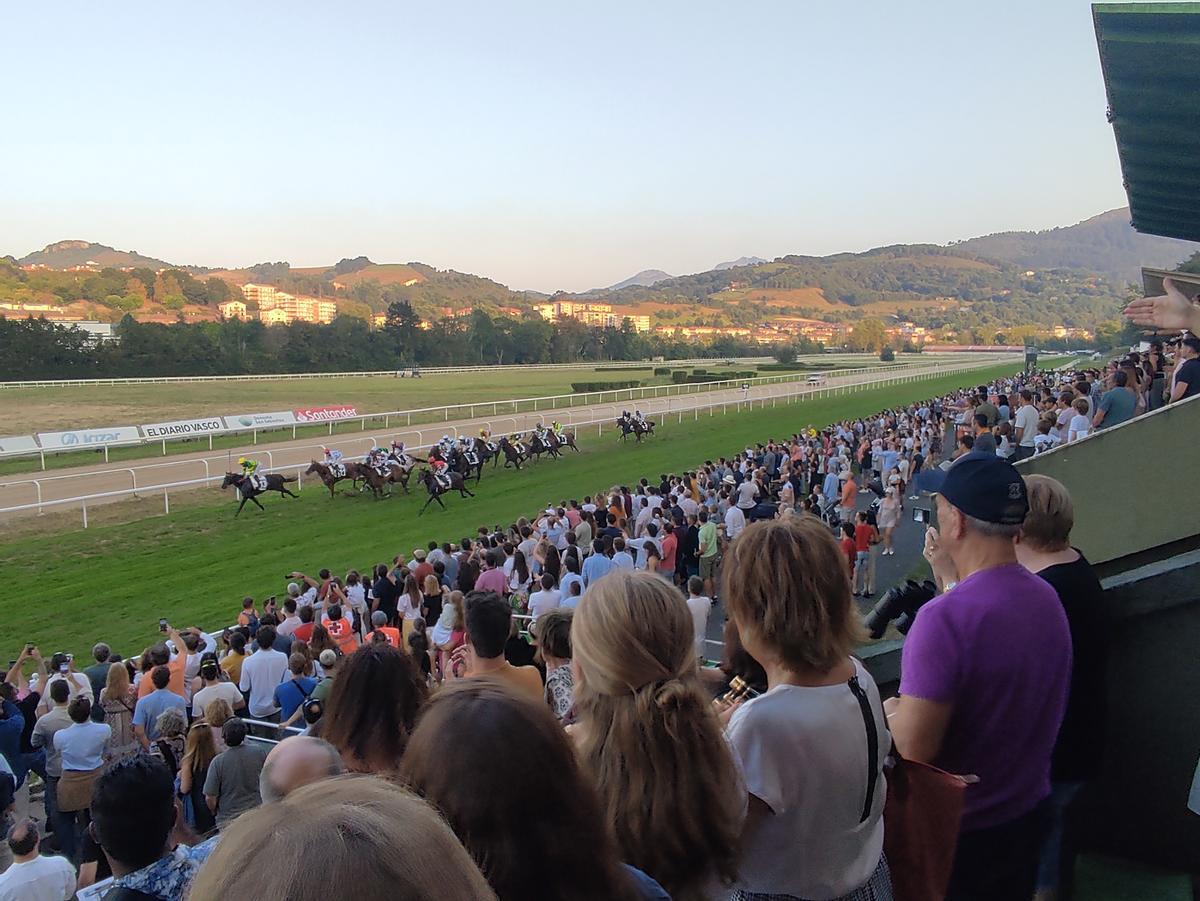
{"type": "Point", "coordinates": [113, 582]}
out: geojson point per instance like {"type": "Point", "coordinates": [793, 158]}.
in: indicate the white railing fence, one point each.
{"type": "Point", "coordinates": [600, 417]}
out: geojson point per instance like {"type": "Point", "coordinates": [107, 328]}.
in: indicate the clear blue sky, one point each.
{"type": "Point", "coordinates": [547, 145]}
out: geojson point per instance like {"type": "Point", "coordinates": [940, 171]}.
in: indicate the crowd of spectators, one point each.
{"type": "Point", "coordinates": [527, 713]}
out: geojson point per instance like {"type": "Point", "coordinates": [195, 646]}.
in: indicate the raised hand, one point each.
{"type": "Point", "coordinates": [1169, 311]}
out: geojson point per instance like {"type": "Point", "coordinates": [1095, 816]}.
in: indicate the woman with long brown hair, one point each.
{"type": "Point", "coordinates": [118, 700]}
{"type": "Point", "coordinates": [535, 829]}
{"type": "Point", "coordinates": [647, 735]}
{"type": "Point", "coordinates": [198, 753]}
{"type": "Point", "coordinates": [812, 747]}
{"type": "Point", "coordinates": [373, 707]}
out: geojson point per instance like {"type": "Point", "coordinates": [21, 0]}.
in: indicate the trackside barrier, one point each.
{"type": "Point", "coordinates": [663, 415]}
{"type": "Point", "coordinates": [464, 410]}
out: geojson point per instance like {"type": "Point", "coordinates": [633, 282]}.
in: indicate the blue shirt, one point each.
{"type": "Point", "coordinates": [594, 567]}
{"type": "Point", "coordinates": [564, 585]}
{"type": "Point", "coordinates": [291, 693]}
{"type": "Point", "coordinates": [146, 713]}
{"type": "Point", "coordinates": [170, 875]}
{"type": "Point", "coordinates": [11, 728]}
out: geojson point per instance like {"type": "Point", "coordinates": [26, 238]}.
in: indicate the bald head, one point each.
{"type": "Point", "coordinates": [295, 762]}
{"type": "Point", "coordinates": [23, 840]}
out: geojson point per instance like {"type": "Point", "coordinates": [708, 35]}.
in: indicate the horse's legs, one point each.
{"type": "Point", "coordinates": [429, 501]}
{"type": "Point", "coordinates": [330, 486]}
{"type": "Point", "coordinates": [257, 504]}
{"type": "Point", "coordinates": [464, 491]}
{"type": "Point", "coordinates": [239, 509]}
{"type": "Point", "coordinates": [438, 497]}
{"type": "Point", "coordinates": [285, 491]}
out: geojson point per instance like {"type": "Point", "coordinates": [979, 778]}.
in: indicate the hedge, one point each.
{"type": "Point", "coordinates": [662, 370]}
{"type": "Point", "coordinates": [704, 377]}
{"type": "Point", "coordinates": [679, 376]}
{"type": "Point", "coordinates": [699, 371]}
{"type": "Point", "coordinates": [794, 367]}
{"type": "Point", "coordinates": [588, 387]}
{"type": "Point", "coordinates": [623, 368]}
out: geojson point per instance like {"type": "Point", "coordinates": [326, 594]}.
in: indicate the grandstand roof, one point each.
{"type": "Point", "coordinates": [1150, 56]}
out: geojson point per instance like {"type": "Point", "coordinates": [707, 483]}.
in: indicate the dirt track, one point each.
{"type": "Point", "coordinates": [293, 456]}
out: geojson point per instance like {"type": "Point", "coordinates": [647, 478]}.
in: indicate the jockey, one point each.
{"type": "Point", "coordinates": [398, 453]}
{"type": "Point", "coordinates": [556, 428]}
{"type": "Point", "coordinates": [637, 414]}
{"type": "Point", "coordinates": [515, 440]}
{"type": "Point", "coordinates": [377, 460]}
{"type": "Point", "coordinates": [441, 470]}
{"type": "Point", "coordinates": [332, 456]}
{"type": "Point", "coordinates": [248, 466]}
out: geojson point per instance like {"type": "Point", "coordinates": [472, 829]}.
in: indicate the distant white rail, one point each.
{"type": "Point", "coordinates": [848, 384]}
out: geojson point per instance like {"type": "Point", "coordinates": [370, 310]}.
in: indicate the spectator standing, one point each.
{"type": "Point", "coordinates": [699, 606]}
{"type": "Point", "coordinates": [1045, 548]}
{"type": "Point", "coordinates": [865, 539]}
{"type": "Point", "coordinates": [409, 850]}
{"type": "Point", "coordinates": [297, 761]}
{"type": "Point", "coordinates": [814, 831]}
{"type": "Point", "coordinates": [1080, 425]}
{"type": "Point", "coordinates": [597, 564]}
{"type": "Point", "coordinates": [291, 692]}
{"type": "Point", "coordinates": [1024, 426]}
{"type": "Point", "coordinates": [984, 676]}
{"type": "Point", "coordinates": [97, 673]}
{"type": "Point", "coordinates": [133, 807]}
{"type": "Point", "coordinates": [198, 754]}
{"type": "Point", "coordinates": [118, 700]}
{"type": "Point", "coordinates": [213, 688]}
{"type": "Point", "coordinates": [706, 549]}
{"type": "Point", "coordinates": [642, 713]}
{"type": "Point", "coordinates": [34, 876]}
{"type": "Point", "coordinates": [566, 850]}
{"type": "Point", "coordinates": [81, 749]}
{"type": "Point", "coordinates": [231, 784]}
{"type": "Point", "coordinates": [554, 643]}
{"type": "Point", "coordinates": [546, 598]}
{"type": "Point", "coordinates": [232, 662]}
{"type": "Point", "coordinates": [261, 672]}
{"type": "Point", "coordinates": [152, 704]}
{"type": "Point", "coordinates": [373, 706]}
{"type": "Point", "coordinates": [1118, 403]}
{"type": "Point", "coordinates": [44, 730]}
{"type": "Point", "coordinates": [489, 623]}
{"type": "Point", "coordinates": [1185, 378]}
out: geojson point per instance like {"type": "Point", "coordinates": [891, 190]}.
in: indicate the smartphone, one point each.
{"type": "Point", "coordinates": [920, 515]}
{"type": "Point", "coordinates": [29, 647]}
{"type": "Point", "coordinates": [162, 625]}
{"type": "Point", "coordinates": [70, 657]}
{"type": "Point", "coordinates": [63, 667]}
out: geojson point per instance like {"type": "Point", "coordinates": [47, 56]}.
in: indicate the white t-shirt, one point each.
{"type": "Point", "coordinates": [812, 845]}
{"type": "Point", "coordinates": [261, 672]}
{"type": "Point", "coordinates": [699, 607]}
{"type": "Point", "coordinates": [1080, 427]}
{"type": "Point", "coordinates": [42, 879]}
{"type": "Point", "coordinates": [746, 493]}
{"type": "Point", "coordinates": [78, 683]}
{"type": "Point", "coordinates": [735, 522]}
{"type": "Point", "coordinates": [1027, 419]}
{"type": "Point", "coordinates": [645, 546]}
{"type": "Point", "coordinates": [226, 691]}
{"type": "Point", "coordinates": [541, 601]}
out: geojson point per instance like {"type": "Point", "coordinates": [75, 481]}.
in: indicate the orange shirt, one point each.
{"type": "Point", "coordinates": [176, 667]}
{"type": "Point", "coordinates": [342, 632]}
{"type": "Point", "coordinates": [849, 493]}
{"type": "Point", "coordinates": [391, 633]}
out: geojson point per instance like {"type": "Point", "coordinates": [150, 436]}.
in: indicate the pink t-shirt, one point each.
{"type": "Point", "coordinates": [491, 580]}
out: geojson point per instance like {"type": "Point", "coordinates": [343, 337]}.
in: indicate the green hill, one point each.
{"type": "Point", "coordinates": [71, 254]}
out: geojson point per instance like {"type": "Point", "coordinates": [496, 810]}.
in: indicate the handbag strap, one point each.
{"type": "Point", "coordinates": [864, 704]}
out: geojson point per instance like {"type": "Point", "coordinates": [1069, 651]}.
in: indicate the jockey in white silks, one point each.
{"type": "Point", "coordinates": [333, 459]}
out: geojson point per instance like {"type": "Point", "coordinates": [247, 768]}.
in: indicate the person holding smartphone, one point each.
{"type": "Point", "coordinates": [62, 668]}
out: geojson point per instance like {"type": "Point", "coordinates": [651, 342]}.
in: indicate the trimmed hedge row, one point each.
{"type": "Point", "coordinates": [662, 370]}
{"type": "Point", "coordinates": [794, 367]}
{"type": "Point", "coordinates": [623, 368]}
{"type": "Point", "coordinates": [703, 377]}
{"type": "Point", "coordinates": [588, 387]}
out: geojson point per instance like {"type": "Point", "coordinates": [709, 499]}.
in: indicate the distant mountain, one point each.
{"type": "Point", "coordinates": [1106, 244]}
{"type": "Point", "coordinates": [643, 279]}
{"type": "Point", "coordinates": [740, 261]}
{"type": "Point", "coordinates": [70, 254]}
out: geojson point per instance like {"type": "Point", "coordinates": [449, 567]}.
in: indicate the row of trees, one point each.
{"type": "Point", "coordinates": [36, 349]}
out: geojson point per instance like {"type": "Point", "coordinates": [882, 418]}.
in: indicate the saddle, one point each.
{"type": "Point", "coordinates": [491, 446]}
{"type": "Point", "coordinates": [443, 479]}
{"type": "Point", "coordinates": [338, 469]}
{"type": "Point", "coordinates": [520, 447]}
{"type": "Point", "coordinates": [258, 482]}
{"type": "Point", "coordinates": [382, 470]}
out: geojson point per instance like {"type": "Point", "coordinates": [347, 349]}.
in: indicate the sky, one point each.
{"type": "Point", "coordinates": [547, 145]}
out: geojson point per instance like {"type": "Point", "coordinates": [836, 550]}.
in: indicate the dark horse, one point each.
{"type": "Point", "coordinates": [275, 482]}
{"type": "Point", "coordinates": [353, 471]}
{"type": "Point", "coordinates": [537, 447]}
{"type": "Point", "coordinates": [512, 456]}
{"type": "Point", "coordinates": [629, 426]}
{"type": "Point", "coordinates": [436, 489]}
{"type": "Point", "coordinates": [567, 439]}
{"type": "Point", "coordinates": [460, 464]}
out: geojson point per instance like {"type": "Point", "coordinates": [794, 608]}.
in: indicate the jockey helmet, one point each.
{"type": "Point", "coordinates": [242, 461]}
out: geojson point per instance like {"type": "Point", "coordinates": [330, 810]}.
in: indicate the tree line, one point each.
{"type": "Point", "coordinates": [37, 349]}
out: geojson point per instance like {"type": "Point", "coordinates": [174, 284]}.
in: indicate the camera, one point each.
{"type": "Point", "coordinates": [162, 625]}
{"type": "Point", "coordinates": [899, 603]}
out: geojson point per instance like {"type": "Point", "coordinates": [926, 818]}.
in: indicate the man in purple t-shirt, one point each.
{"type": "Point", "coordinates": [984, 676]}
{"type": "Point", "coordinates": [492, 578]}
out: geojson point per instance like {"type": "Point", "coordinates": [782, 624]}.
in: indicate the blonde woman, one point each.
{"type": "Point", "coordinates": [812, 747]}
{"type": "Point", "coordinates": [411, 851]}
{"type": "Point", "coordinates": [649, 739]}
{"type": "Point", "coordinates": [198, 753]}
{"type": "Point", "coordinates": [118, 699]}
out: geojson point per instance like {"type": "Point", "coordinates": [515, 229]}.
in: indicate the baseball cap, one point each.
{"type": "Point", "coordinates": [328, 658]}
{"type": "Point", "coordinates": [981, 485]}
{"type": "Point", "coordinates": [419, 553]}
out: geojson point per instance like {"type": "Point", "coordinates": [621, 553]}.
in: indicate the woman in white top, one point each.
{"type": "Point", "coordinates": [812, 747]}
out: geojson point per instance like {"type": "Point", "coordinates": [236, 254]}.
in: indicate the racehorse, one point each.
{"type": "Point", "coordinates": [356, 472]}
{"type": "Point", "coordinates": [460, 464]}
{"type": "Point", "coordinates": [567, 439]}
{"type": "Point", "coordinates": [275, 482]}
{"type": "Point", "coordinates": [436, 489]}
{"type": "Point", "coordinates": [537, 447]}
{"type": "Point", "coordinates": [512, 456]}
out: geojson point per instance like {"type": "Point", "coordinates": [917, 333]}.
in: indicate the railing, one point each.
{"type": "Point", "coordinates": [852, 384]}
{"type": "Point", "coordinates": [467, 409]}
{"type": "Point", "coordinates": [376, 373]}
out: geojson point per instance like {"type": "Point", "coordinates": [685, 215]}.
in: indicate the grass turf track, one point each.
{"type": "Point", "coordinates": [112, 583]}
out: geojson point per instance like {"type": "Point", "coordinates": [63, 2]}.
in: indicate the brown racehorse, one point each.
{"type": "Point", "coordinates": [356, 472]}
{"type": "Point", "coordinates": [436, 489]}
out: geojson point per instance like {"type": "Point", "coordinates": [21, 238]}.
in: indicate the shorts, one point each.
{"type": "Point", "coordinates": [708, 566]}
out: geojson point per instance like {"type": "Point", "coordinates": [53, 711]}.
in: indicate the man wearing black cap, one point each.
{"type": "Point", "coordinates": [1185, 380]}
{"type": "Point", "coordinates": [984, 676]}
